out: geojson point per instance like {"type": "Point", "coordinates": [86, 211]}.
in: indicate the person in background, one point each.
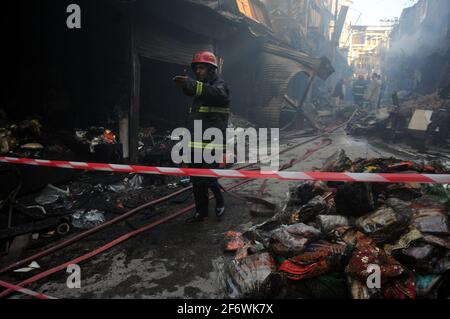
{"type": "Point", "coordinates": [359, 88]}
{"type": "Point", "coordinates": [339, 93]}
{"type": "Point", "coordinates": [373, 90]}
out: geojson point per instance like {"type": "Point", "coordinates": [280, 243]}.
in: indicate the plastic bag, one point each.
{"type": "Point", "coordinates": [404, 242]}
{"type": "Point", "coordinates": [303, 230]}
{"type": "Point", "coordinates": [50, 195]}
{"type": "Point", "coordinates": [384, 225]}
{"type": "Point", "coordinates": [286, 245]}
{"type": "Point", "coordinates": [317, 206]}
{"type": "Point", "coordinates": [328, 223]}
{"type": "Point", "coordinates": [245, 277]}
{"type": "Point", "coordinates": [430, 220]}
{"type": "Point", "coordinates": [419, 253]}
{"type": "Point", "coordinates": [292, 240]}
{"type": "Point", "coordinates": [399, 206]}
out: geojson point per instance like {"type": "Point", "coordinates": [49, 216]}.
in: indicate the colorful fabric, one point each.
{"type": "Point", "coordinates": [400, 289]}
{"type": "Point", "coordinates": [365, 254]}
{"type": "Point", "coordinates": [426, 283]}
{"type": "Point", "coordinates": [404, 242]}
{"type": "Point", "coordinates": [235, 241]}
{"type": "Point", "coordinates": [297, 271]}
{"type": "Point", "coordinates": [311, 264]}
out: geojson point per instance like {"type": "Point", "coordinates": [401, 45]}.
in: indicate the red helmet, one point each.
{"type": "Point", "coordinates": [205, 57]}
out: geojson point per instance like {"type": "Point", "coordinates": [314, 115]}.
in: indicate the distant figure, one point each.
{"type": "Point", "coordinates": [382, 91]}
{"type": "Point", "coordinates": [339, 93]}
{"type": "Point", "coordinates": [395, 99]}
{"type": "Point", "coordinates": [373, 91]}
{"type": "Point", "coordinates": [359, 88]}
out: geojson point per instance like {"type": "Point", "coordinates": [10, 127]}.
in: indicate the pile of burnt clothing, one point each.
{"type": "Point", "coordinates": [349, 240]}
{"type": "Point", "coordinates": [27, 139]}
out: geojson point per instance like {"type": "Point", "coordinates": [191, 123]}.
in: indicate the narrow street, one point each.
{"type": "Point", "coordinates": [178, 260]}
{"type": "Point", "coordinates": [138, 146]}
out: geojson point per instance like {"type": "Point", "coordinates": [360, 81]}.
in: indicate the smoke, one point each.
{"type": "Point", "coordinates": [423, 28]}
{"type": "Point", "coordinates": [421, 42]}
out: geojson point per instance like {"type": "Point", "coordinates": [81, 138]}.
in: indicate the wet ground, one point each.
{"type": "Point", "coordinates": [179, 260]}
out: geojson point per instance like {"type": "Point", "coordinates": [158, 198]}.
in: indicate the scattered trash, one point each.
{"type": "Point", "coordinates": [34, 265]}
{"type": "Point", "coordinates": [418, 120]}
{"type": "Point", "coordinates": [85, 220]}
{"type": "Point", "coordinates": [50, 195]}
{"type": "Point", "coordinates": [128, 184]}
{"type": "Point", "coordinates": [234, 241]}
{"type": "Point", "coordinates": [95, 136]}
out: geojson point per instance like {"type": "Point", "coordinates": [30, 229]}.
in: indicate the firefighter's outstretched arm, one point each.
{"type": "Point", "coordinates": [210, 94]}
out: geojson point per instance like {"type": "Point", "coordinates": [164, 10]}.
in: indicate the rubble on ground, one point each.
{"type": "Point", "coordinates": [418, 120]}
{"type": "Point", "coordinates": [321, 246]}
{"type": "Point", "coordinates": [430, 102]}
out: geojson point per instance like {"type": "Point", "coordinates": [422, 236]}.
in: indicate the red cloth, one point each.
{"type": "Point", "coordinates": [310, 264]}
{"type": "Point", "coordinates": [367, 253]}
{"type": "Point", "coordinates": [401, 289]}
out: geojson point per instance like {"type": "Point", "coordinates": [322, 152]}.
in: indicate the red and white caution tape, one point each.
{"type": "Point", "coordinates": [235, 174]}
{"type": "Point", "coordinates": [24, 290]}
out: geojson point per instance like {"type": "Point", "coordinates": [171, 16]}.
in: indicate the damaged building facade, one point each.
{"type": "Point", "coordinates": [117, 69]}
{"type": "Point", "coordinates": [104, 93]}
{"type": "Point", "coordinates": [419, 58]}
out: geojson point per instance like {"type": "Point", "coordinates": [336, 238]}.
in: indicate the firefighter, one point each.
{"type": "Point", "coordinates": [210, 105]}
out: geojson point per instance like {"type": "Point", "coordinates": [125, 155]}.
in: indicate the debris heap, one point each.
{"type": "Point", "coordinates": [349, 240]}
